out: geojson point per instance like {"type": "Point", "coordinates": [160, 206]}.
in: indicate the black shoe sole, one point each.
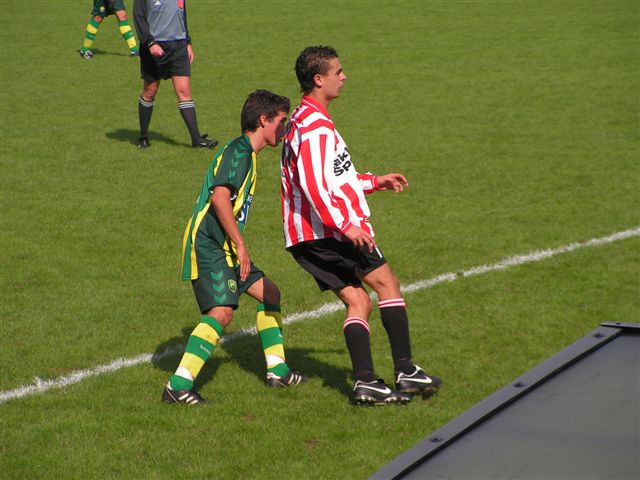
{"type": "Point", "coordinates": [425, 391]}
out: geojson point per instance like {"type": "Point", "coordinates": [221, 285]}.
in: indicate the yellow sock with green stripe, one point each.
{"type": "Point", "coordinates": [127, 34]}
{"type": "Point", "coordinates": [269, 324]}
{"type": "Point", "coordinates": [199, 349]}
{"type": "Point", "coordinates": [90, 34]}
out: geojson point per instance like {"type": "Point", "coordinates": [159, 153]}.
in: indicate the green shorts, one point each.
{"type": "Point", "coordinates": [104, 8]}
{"type": "Point", "coordinates": [218, 285]}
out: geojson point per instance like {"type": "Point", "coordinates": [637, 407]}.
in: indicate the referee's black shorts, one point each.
{"type": "Point", "coordinates": [334, 264]}
{"type": "Point", "coordinates": [174, 62]}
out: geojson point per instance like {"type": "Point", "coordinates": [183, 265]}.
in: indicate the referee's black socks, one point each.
{"type": "Point", "coordinates": [145, 109]}
{"type": "Point", "coordinates": [188, 111]}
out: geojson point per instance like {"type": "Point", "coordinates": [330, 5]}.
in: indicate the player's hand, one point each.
{"type": "Point", "coordinates": [392, 181]}
{"type": "Point", "coordinates": [360, 238]}
{"type": "Point", "coordinates": [156, 50]}
{"type": "Point", "coordinates": [244, 260]}
{"type": "Point", "coordinates": [190, 53]}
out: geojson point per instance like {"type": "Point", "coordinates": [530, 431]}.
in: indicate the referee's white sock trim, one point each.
{"type": "Point", "coordinates": [144, 103]}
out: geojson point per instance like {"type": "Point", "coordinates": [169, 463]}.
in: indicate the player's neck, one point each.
{"type": "Point", "coordinates": [257, 141]}
{"type": "Point", "coordinates": [320, 97]}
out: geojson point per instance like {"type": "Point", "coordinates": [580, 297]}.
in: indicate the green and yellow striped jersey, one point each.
{"type": "Point", "coordinates": [233, 165]}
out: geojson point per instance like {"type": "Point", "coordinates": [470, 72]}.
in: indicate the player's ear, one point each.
{"type": "Point", "coordinates": [318, 80]}
{"type": "Point", "coordinates": [263, 121]}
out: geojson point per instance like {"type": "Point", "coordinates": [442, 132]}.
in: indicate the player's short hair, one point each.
{"type": "Point", "coordinates": [311, 62]}
{"type": "Point", "coordinates": [261, 102]}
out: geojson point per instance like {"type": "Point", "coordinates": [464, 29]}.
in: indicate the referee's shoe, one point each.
{"type": "Point", "coordinates": [204, 142]}
{"type": "Point", "coordinates": [418, 381]}
{"type": "Point", "coordinates": [377, 393]}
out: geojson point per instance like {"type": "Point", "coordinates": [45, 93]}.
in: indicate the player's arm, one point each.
{"type": "Point", "coordinates": [221, 201]}
{"type": "Point", "coordinates": [186, 26]}
{"type": "Point", "coordinates": [140, 11]}
{"type": "Point", "coordinates": [190, 53]}
{"type": "Point", "coordinates": [391, 181]}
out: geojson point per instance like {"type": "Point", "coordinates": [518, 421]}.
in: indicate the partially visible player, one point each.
{"type": "Point", "coordinates": [102, 9]}
{"type": "Point", "coordinates": [328, 232]}
{"type": "Point", "coordinates": [216, 259]}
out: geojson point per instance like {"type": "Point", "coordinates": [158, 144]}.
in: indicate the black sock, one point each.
{"type": "Point", "coordinates": [145, 109]}
{"type": "Point", "coordinates": [356, 334]}
{"type": "Point", "coordinates": [188, 112]}
{"type": "Point", "coordinates": [396, 323]}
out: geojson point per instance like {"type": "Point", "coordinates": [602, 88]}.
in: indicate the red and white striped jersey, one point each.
{"type": "Point", "coordinates": [322, 193]}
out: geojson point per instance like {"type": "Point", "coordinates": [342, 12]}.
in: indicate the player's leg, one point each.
{"type": "Point", "coordinates": [180, 69]}
{"type": "Point", "coordinates": [126, 31]}
{"type": "Point", "coordinates": [356, 331]}
{"type": "Point", "coordinates": [217, 294]}
{"type": "Point", "coordinates": [333, 265]}
{"type": "Point", "coordinates": [145, 109]}
{"type": "Point", "coordinates": [269, 326]}
{"type": "Point", "coordinates": [393, 314]}
{"type": "Point", "coordinates": [367, 388]}
{"type": "Point", "coordinates": [410, 378]}
{"type": "Point", "coordinates": [200, 347]}
{"type": "Point", "coordinates": [187, 108]}
{"type": "Point", "coordinates": [90, 35]}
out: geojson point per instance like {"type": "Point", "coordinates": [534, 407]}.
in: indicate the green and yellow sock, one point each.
{"type": "Point", "coordinates": [127, 34]}
{"type": "Point", "coordinates": [199, 349]}
{"type": "Point", "coordinates": [90, 34]}
{"type": "Point", "coordinates": [269, 324]}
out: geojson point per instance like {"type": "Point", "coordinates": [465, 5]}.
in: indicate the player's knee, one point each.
{"type": "Point", "coordinates": [149, 93]}
{"type": "Point", "coordinates": [223, 315]}
{"type": "Point", "coordinates": [271, 294]}
{"type": "Point", "coordinates": [361, 302]}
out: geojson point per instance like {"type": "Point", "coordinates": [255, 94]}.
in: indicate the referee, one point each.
{"type": "Point", "coordinates": [166, 52]}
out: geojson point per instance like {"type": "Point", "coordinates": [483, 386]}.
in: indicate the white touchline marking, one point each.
{"type": "Point", "coordinates": [77, 376]}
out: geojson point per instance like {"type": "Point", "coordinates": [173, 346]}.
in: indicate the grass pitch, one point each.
{"type": "Point", "coordinates": [516, 124]}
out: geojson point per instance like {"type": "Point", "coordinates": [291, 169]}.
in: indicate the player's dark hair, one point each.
{"type": "Point", "coordinates": [261, 102]}
{"type": "Point", "coordinates": [311, 62]}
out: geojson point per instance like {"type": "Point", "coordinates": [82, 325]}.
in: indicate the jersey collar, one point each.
{"type": "Point", "coordinates": [316, 105]}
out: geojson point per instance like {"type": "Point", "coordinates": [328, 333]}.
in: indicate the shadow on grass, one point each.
{"type": "Point", "coordinates": [246, 352]}
{"type": "Point", "coordinates": [131, 136]}
{"type": "Point", "coordinates": [100, 52]}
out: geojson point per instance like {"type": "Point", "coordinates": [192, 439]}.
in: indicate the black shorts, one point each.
{"type": "Point", "coordinates": [174, 62]}
{"type": "Point", "coordinates": [334, 264]}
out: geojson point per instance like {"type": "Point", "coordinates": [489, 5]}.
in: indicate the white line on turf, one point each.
{"type": "Point", "coordinates": [77, 376]}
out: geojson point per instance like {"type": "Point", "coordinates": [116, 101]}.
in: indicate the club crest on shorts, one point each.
{"type": "Point", "coordinates": [233, 286]}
